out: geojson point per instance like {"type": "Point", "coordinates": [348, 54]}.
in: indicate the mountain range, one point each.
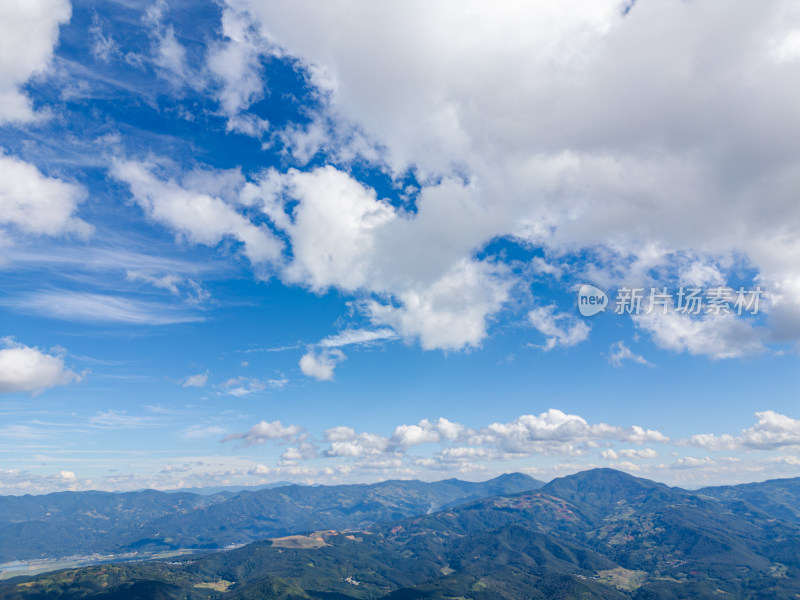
{"type": "Point", "coordinates": [69, 523]}
{"type": "Point", "coordinates": [596, 534]}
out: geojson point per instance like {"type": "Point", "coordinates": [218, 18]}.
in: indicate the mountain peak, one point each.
{"type": "Point", "coordinates": [600, 488]}
{"type": "Point", "coordinates": [513, 478]}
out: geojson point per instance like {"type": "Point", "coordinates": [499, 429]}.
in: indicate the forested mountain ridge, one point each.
{"type": "Point", "coordinates": [596, 534]}
{"type": "Point", "coordinates": [68, 523]}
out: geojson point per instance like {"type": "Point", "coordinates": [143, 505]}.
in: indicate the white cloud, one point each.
{"type": "Point", "coordinates": [26, 369]}
{"type": "Point", "coordinates": [450, 313]}
{"type": "Point", "coordinates": [244, 386]}
{"type": "Point", "coordinates": [551, 115]}
{"type": "Point", "coordinates": [320, 365]}
{"type": "Point", "coordinates": [67, 476]}
{"type": "Point", "coordinates": [555, 432]}
{"type": "Point", "coordinates": [787, 48]}
{"type": "Point", "coordinates": [424, 285]}
{"type": "Point", "coordinates": [198, 380]}
{"type": "Point", "coordinates": [334, 229]}
{"type": "Point", "coordinates": [28, 34]}
{"type": "Point", "coordinates": [203, 432]}
{"type": "Point", "coordinates": [303, 451]}
{"type": "Point", "coordinates": [235, 64]}
{"type": "Point", "coordinates": [620, 353]}
{"type": "Point", "coordinates": [772, 432]}
{"type": "Point", "coordinates": [22, 432]}
{"type": "Point", "coordinates": [37, 204]}
{"type": "Point", "coordinates": [264, 432]}
{"type": "Point", "coordinates": [561, 329]}
{"type": "Point", "coordinates": [168, 54]}
{"type": "Point", "coordinates": [630, 454]}
{"type": "Point", "coordinates": [639, 435]}
{"type": "Point", "coordinates": [321, 359]}
{"type": "Point", "coordinates": [345, 442]}
{"type": "Point", "coordinates": [90, 307]}
{"type": "Point", "coordinates": [120, 419]}
{"type": "Point", "coordinates": [425, 432]}
{"type": "Point", "coordinates": [717, 336]}
{"type": "Point", "coordinates": [196, 216]}
{"type": "Point", "coordinates": [167, 282]}
{"type": "Point", "coordinates": [701, 274]}
{"type": "Point", "coordinates": [552, 433]}
{"type": "Point", "coordinates": [349, 337]}
{"type": "Point", "coordinates": [103, 46]}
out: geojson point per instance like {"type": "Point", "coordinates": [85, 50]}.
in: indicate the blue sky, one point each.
{"type": "Point", "coordinates": [245, 241]}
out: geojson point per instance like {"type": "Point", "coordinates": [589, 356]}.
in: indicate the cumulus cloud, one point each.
{"type": "Point", "coordinates": [26, 369]}
{"type": "Point", "coordinates": [320, 365]}
{"type": "Point", "coordinates": [555, 432]}
{"type": "Point", "coordinates": [37, 204]}
{"type": "Point", "coordinates": [334, 229]}
{"type": "Point", "coordinates": [28, 33]}
{"type": "Point", "coordinates": [499, 99]}
{"type": "Point", "coordinates": [629, 453]}
{"type": "Point", "coordinates": [303, 451]}
{"type": "Point", "coordinates": [717, 336]}
{"type": "Point", "coordinates": [552, 433]}
{"type": "Point", "coordinates": [772, 432]}
{"type": "Point", "coordinates": [345, 442]}
{"type": "Point", "coordinates": [424, 285]}
{"type": "Point", "coordinates": [426, 431]}
{"type": "Point", "coordinates": [450, 313]}
{"type": "Point", "coordinates": [264, 432]}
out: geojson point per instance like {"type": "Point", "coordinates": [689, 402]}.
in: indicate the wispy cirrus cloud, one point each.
{"type": "Point", "coordinates": [199, 380]}
{"type": "Point", "coordinates": [120, 419]}
{"type": "Point", "coordinates": [244, 386]}
{"type": "Point", "coordinates": [103, 308]}
{"type": "Point", "coordinates": [195, 215]}
{"type": "Point", "coordinates": [561, 330]}
{"type": "Point", "coordinates": [321, 359]}
{"type": "Point", "coordinates": [264, 432]}
{"type": "Point", "coordinates": [203, 432]}
{"type": "Point", "coordinates": [619, 353]}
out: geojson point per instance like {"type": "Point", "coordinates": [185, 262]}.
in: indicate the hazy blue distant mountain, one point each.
{"type": "Point", "coordinates": [68, 523]}
{"type": "Point", "coordinates": [777, 497]}
{"type": "Point", "coordinates": [232, 489]}
{"type": "Point", "coordinates": [281, 511]}
{"type": "Point", "coordinates": [600, 534]}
